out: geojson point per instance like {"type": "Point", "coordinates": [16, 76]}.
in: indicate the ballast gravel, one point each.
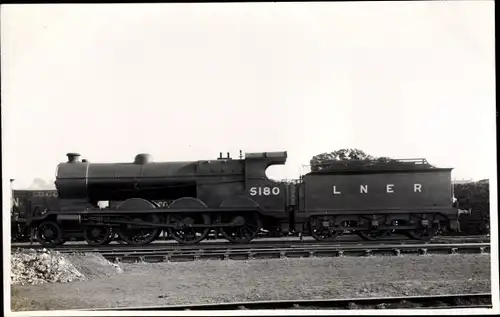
{"type": "Point", "coordinates": [45, 266]}
{"type": "Point", "coordinates": [211, 281]}
{"type": "Point", "coordinates": [38, 267]}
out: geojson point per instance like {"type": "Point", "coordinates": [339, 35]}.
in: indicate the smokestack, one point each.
{"type": "Point", "coordinates": [73, 157]}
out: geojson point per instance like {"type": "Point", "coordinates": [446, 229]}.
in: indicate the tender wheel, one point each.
{"type": "Point", "coordinates": [323, 228]}
{"type": "Point", "coordinates": [248, 226]}
{"type": "Point", "coordinates": [140, 235]}
{"type": "Point", "coordinates": [373, 235]}
{"type": "Point", "coordinates": [97, 235]}
{"type": "Point", "coordinates": [49, 234]}
{"type": "Point", "coordinates": [425, 233]}
{"type": "Point", "coordinates": [396, 223]}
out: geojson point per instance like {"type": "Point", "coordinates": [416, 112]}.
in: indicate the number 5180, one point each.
{"type": "Point", "coordinates": [264, 191]}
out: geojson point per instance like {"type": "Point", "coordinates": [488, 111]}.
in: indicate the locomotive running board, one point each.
{"type": "Point", "coordinates": [114, 212]}
{"type": "Point", "coordinates": [173, 226]}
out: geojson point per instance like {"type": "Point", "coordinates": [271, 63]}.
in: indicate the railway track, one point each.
{"type": "Point", "coordinates": [273, 252]}
{"type": "Point", "coordinates": [256, 244]}
{"type": "Point", "coordinates": [452, 301]}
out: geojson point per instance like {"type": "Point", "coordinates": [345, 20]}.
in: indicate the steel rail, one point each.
{"type": "Point", "coordinates": [219, 245]}
{"type": "Point", "coordinates": [186, 248]}
{"type": "Point", "coordinates": [222, 245]}
{"type": "Point", "coordinates": [449, 301]}
{"type": "Point", "coordinates": [176, 255]}
{"type": "Point", "coordinates": [152, 248]}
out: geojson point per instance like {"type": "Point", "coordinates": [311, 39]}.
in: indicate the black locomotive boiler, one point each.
{"type": "Point", "coordinates": [140, 199]}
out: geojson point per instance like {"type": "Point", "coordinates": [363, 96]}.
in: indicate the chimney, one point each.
{"type": "Point", "coordinates": [73, 157]}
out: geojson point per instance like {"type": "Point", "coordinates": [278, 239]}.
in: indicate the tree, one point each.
{"type": "Point", "coordinates": [320, 161]}
{"type": "Point", "coordinates": [41, 184]}
{"type": "Point", "coordinates": [476, 196]}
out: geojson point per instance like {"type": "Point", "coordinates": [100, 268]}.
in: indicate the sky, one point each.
{"type": "Point", "coordinates": [187, 81]}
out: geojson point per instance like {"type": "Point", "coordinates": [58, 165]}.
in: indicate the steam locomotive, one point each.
{"type": "Point", "coordinates": [139, 200]}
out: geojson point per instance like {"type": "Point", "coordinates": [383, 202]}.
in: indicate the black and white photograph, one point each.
{"type": "Point", "coordinates": [231, 157]}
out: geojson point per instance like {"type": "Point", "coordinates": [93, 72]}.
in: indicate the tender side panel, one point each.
{"type": "Point", "coordinates": [398, 190]}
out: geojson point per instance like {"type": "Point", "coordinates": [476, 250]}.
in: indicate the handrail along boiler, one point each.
{"type": "Point", "coordinates": [189, 199]}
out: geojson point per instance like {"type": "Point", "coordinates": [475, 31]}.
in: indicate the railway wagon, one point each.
{"type": "Point", "coordinates": [407, 196]}
{"type": "Point", "coordinates": [188, 199]}
{"type": "Point", "coordinates": [30, 204]}
{"type": "Point", "coordinates": [24, 204]}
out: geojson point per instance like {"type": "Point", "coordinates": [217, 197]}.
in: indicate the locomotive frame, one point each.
{"type": "Point", "coordinates": [235, 198]}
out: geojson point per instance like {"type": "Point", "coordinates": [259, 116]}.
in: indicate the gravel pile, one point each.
{"type": "Point", "coordinates": [93, 265]}
{"type": "Point", "coordinates": [46, 266]}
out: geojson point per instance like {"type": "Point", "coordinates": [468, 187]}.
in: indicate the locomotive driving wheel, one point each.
{"type": "Point", "coordinates": [134, 233]}
{"type": "Point", "coordinates": [184, 232]}
{"type": "Point", "coordinates": [323, 228]}
{"type": "Point", "coordinates": [139, 235]}
{"type": "Point", "coordinates": [247, 226]}
{"type": "Point", "coordinates": [49, 234]}
{"type": "Point", "coordinates": [97, 235]}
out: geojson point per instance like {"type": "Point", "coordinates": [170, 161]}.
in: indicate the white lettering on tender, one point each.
{"type": "Point", "coordinates": [264, 191]}
{"type": "Point", "coordinates": [417, 187]}
{"type": "Point", "coordinates": [363, 189]}
{"type": "Point", "coordinates": [335, 192]}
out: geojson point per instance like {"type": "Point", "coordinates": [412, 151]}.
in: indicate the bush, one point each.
{"type": "Point", "coordinates": [474, 196]}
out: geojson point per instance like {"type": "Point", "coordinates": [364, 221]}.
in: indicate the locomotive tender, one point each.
{"type": "Point", "coordinates": [235, 198]}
